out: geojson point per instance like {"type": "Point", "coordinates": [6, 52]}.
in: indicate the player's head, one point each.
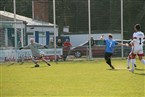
{"type": "Point", "coordinates": [137, 27]}
{"type": "Point", "coordinates": [59, 40]}
{"type": "Point", "coordinates": [32, 40]}
{"type": "Point", "coordinates": [110, 36]}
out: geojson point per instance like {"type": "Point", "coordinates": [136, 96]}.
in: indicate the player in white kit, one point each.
{"type": "Point", "coordinates": [129, 56]}
{"type": "Point", "coordinates": [137, 46]}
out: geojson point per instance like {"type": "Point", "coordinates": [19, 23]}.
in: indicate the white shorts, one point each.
{"type": "Point", "coordinates": [138, 50]}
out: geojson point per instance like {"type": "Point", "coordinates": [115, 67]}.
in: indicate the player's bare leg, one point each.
{"type": "Point", "coordinates": [141, 59]}
{"type": "Point", "coordinates": [129, 61]}
{"type": "Point", "coordinates": [45, 61]}
{"type": "Point", "coordinates": [133, 62]}
{"type": "Point", "coordinates": [35, 62]}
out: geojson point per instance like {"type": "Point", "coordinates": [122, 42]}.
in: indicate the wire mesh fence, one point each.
{"type": "Point", "coordinates": [35, 20]}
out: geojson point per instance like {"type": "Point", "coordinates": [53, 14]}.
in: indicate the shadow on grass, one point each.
{"type": "Point", "coordinates": [15, 63]}
{"type": "Point", "coordinates": [117, 69]}
{"type": "Point", "coordinates": [10, 64]}
{"type": "Point", "coordinates": [142, 74]}
{"type": "Point", "coordinates": [139, 69]}
{"type": "Point", "coordinates": [40, 67]}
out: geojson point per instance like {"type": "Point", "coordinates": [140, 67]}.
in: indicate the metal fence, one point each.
{"type": "Point", "coordinates": [84, 18]}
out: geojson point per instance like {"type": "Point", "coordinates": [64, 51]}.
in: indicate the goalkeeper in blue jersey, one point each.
{"type": "Point", "coordinates": [35, 52]}
{"type": "Point", "coordinates": [110, 45]}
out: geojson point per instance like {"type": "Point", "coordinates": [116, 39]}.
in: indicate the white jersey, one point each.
{"type": "Point", "coordinates": [137, 43]}
{"type": "Point", "coordinates": [138, 38]}
{"type": "Point", "coordinates": [34, 49]}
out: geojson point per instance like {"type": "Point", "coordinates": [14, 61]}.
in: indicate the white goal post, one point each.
{"type": "Point", "coordinates": [8, 38]}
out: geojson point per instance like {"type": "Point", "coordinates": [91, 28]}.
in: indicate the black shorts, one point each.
{"type": "Point", "coordinates": [108, 55]}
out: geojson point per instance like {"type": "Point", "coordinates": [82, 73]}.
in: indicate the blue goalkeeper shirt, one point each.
{"type": "Point", "coordinates": [110, 45]}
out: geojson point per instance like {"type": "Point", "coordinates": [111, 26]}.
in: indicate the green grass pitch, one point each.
{"type": "Point", "coordinates": [72, 79]}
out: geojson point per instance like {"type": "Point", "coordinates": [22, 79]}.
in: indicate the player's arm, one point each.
{"type": "Point", "coordinates": [102, 37]}
{"type": "Point", "coordinates": [134, 38]}
{"type": "Point", "coordinates": [45, 46]}
{"type": "Point", "coordinates": [25, 47]}
{"type": "Point", "coordinates": [41, 45]}
{"type": "Point", "coordinates": [130, 44]}
{"type": "Point", "coordinates": [143, 37]}
{"type": "Point", "coordinates": [120, 44]}
{"type": "Point", "coordinates": [127, 44]}
{"type": "Point", "coordinates": [20, 48]}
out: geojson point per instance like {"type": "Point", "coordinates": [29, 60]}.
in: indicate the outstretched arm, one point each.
{"type": "Point", "coordinates": [130, 44]}
{"type": "Point", "coordinates": [102, 37]}
{"type": "Point", "coordinates": [41, 45]}
{"type": "Point", "coordinates": [121, 44]}
{"type": "Point", "coordinates": [45, 46]}
{"type": "Point", "coordinates": [25, 47]}
{"type": "Point", "coordinates": [20, 48]}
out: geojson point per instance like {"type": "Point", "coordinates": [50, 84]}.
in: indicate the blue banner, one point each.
{"type": "Point", "coordinates": [37, 36]}
{"type": "Point", "coordinates": [47, 37]}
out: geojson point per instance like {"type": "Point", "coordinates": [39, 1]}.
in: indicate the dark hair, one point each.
{"type": "Point", "coordinates": [138, 27]}
{"type": "Point", "coordinates": [110, 36]}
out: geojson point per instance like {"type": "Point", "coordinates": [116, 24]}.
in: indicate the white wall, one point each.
{"type": "Point", "coordinates": [42, 29]}
{"type": "Point", "coordinates": [79, 39]}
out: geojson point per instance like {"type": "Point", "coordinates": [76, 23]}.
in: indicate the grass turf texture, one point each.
{"type": "Point", "coordinates": [72, 78]}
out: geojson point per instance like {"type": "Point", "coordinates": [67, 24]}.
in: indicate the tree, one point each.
{"type": "Point", "coordinates": [23, 7]}
{"type": "Point", "coordinates": [105, 14]}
